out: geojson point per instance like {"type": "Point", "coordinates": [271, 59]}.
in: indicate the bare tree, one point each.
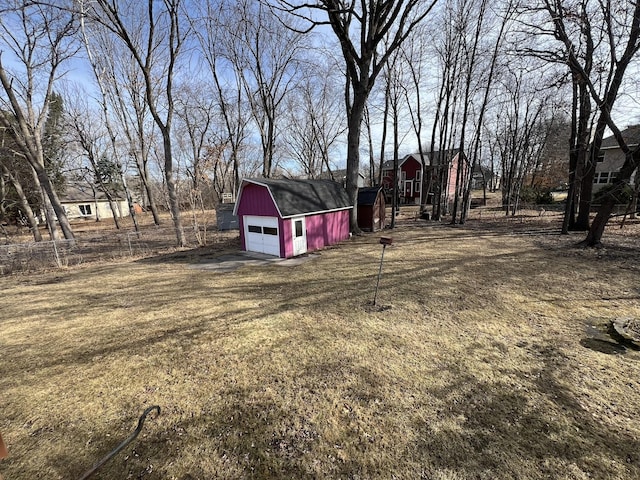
{"type": "Point", "coordinates": [197, 135]}
{"type": "Point", "coordinates": [581, 169]}
{"type": "Point", "coordinates": [484, 86]}
{"type": "Point", "coordinates": [369, 32]}
{"type": "Point", "coordinates": [448, 47]}
{"type": "Point", "coordinates": [413, 52]}
{"type": "Point", "coordinates": [228, 90]}
{"type": "Point", "coordinates": [314, 122]}
{"type": "Point", "coordinates": [92, 141]}
{"type": "Point", "coordinates": [614, 30]}
{"type": "Point", "coordinates": [125, 100]}
{"type": "Point", "coordinates": [264, 56]}
{"type": "Point", "coordinates": [396, 93]}
{"type": "Point", "coordinates": [196, 110]}
{"type": "Point", "coordinates": [155, 39]}
{"type": "Point", "coordinates": [523, 126]}
{"type": "Point", "coordinates": [87, 140]}
{"type": "Point", "coordinates": [40, 39]}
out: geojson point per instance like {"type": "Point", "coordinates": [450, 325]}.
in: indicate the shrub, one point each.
{"type": "Point", "coordinates": [622, 197]}
{"type": "Point", "coordinates": [537, 195]}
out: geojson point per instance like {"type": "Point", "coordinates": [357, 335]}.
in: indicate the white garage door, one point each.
{"type": "Point", "coordinates": [261, 234]}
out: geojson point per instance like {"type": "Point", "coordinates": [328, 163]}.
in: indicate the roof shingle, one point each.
{"type": "Point", "coordinates": [299, 197]}
{"type": "Point", "coordinates": [631, 136]}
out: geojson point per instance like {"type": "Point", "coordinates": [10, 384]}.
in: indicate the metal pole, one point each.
{"type": "Point", "coordinates": [55, 251]}
{"type": "Point", "coordinates": [375, 296]}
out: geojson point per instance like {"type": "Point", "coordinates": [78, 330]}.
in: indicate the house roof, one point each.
{"type": "Point", "coordinates": [432, 158]}
{"type": "Point", "coordinates": [299, 197]}
{"type": "Point", "coordinates": [81, 192]}
{"type": "Point", "coordinates": [480, 171]}
{"type": "Point", "coordinates": [388, 164]}
{"type": "Point", "coordinates": [367, 196]}
{"type": "Point", "coordinates": [337, 174]}
{"type": "Point", "coordinates": [631, 136]}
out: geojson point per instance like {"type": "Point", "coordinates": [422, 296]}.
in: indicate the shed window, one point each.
{"type": "Point", "coordinates": [85, 209]}
{"type": "Point", "coordinates": [255, 229]}
{"type": "Point", "coordinates": [298, 224]}
{"type": "Point", "coordinates": [270, 231]}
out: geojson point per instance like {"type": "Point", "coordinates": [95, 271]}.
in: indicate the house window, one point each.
{"type": "Point", "coordinates": [418, 186]}
{"type": "Point", "coordinates": [85, 209]}
{"type": "Point", "coordinates": [403, 175]}
{"type": "Point", "coordinates": [600, 158]}
{"type": "Point", "coordinates": [604, 177]}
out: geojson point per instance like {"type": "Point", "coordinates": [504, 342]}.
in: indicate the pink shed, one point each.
{"type": "Point", "coordinates": [286, 218]}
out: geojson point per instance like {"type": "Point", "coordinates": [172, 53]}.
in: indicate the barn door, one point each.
{"type": "Point", "coordinates": [408, 188]}
{"type": "Point", "coordinates": [261, 234]}
{"type": "Point", "coordinates": [299, 230]}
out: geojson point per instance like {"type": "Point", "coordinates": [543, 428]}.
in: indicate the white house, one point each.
{"type": "Point", "coordinates": [81, 201]}
{"type": "Point", "coordinates": [611, 158]}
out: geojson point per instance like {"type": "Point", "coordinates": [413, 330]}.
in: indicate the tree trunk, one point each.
{"type": "Point", "coordinates": [594, 237]}
{"type": "Point", "coordinates": [372, 164]}
{"type": "Point", "coordinates": [383, 139]}
{"type": "Point", "coordinates": [396, 176]}
{"type": "Point", "coordinates": [174, 205]}
{"type": "Point", "coordinates": [24, 205]}
{"type": "Point", "coordinates": [634, 198]}
{"type": "Point", "coordinates": [353, 154]}
{"type": "Point", "coordinates": [586, 191]}
{"type": "Point", "coordinates": [151, 202]}
{"type": "Point", "coordinates": [52, 206]}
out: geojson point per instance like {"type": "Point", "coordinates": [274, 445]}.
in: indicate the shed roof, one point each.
{"type": "Point", "coordinates": [300, 197]}
{"type": "Point", "coordinates": [336, 174]}
{"type": "Point", "coordinates": [367, 196]}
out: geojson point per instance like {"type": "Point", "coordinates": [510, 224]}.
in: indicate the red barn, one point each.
{"type": "Point", "coordinates": [440, 172]}
{"type": "Point", "coordinates": [286, 218]}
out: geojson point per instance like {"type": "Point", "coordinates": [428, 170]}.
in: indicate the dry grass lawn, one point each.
{"type": "Point", "coordinates": [491, 360]}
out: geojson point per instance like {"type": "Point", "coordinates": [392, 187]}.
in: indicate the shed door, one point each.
{"type": "Point", "coordinates": [261, 235]}
{"type": "Point", "coordinates": [299, 230]}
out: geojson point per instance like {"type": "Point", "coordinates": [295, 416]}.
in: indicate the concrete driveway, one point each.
{"type": "Point", "coordinates": [233, 261]}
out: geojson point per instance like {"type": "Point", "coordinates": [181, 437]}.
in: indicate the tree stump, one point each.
{"type": "Point", "coordinates": [628, 328]}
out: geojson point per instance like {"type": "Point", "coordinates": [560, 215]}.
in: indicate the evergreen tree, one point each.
{"type": "Point", "coordinates": [107, 176]}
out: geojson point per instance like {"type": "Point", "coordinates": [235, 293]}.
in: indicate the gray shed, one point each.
{"type": "Point", "coordinates": [225, 218]}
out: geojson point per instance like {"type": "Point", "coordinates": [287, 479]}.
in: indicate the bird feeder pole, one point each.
{"type": "Point", "coordinates": [384, 241]}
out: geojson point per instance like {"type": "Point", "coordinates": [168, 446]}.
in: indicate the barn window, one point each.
{"type": "Point", "coordinates": [255, 229]}
{"type": "Point", "coordinates": [85, 209]}
{"type": "Point", "coordinates": [270, 231]}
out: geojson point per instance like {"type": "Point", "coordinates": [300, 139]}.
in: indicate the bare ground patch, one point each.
{"type": "Point", "coordinates": [492, 361]}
